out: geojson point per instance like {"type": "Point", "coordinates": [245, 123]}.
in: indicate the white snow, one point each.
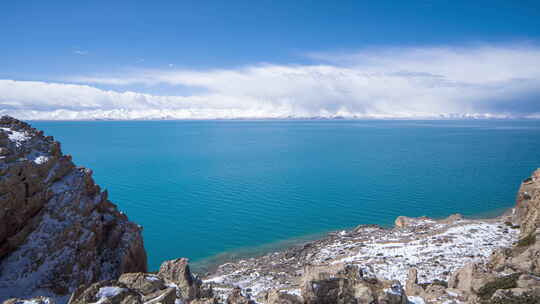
{"type": "Point", "coordinates": [416, 300]}
{"type": "Point", "coordinates": [156, 300]}
{"type": "Point", "coordinates": [152, 278]}
{"type": "Point", "coordinates": [41, 159]}
{"type": "Point", "coordinates": [16, 136]}
{"type": "Point", "coordinates": [44, 301]}
{"type": "Point", "coordinates": [432, 255]}
{"type": "Point", "coordinates": [296, 292]}
{"type": "Point", "coordinates": [434, 249]}
{"type": "Point", "coordinates": [108, 292]}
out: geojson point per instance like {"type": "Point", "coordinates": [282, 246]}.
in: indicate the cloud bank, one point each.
{"type": "Point", "coordinates": [444, 82]}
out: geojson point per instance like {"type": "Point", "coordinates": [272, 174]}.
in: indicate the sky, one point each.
{"type": "Point", "coordinates": [269, 59]}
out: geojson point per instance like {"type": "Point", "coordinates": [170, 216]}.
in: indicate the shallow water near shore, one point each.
{"type": "Point", "coordinates": [218, 190]}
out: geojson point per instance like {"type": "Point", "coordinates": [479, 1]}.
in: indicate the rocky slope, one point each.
{"type": "Point", "coordinates": [58, 230]}
{"type": "Point", "coordinates": [420, 260]}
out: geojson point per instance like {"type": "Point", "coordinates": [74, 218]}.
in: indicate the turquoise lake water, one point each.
{"type": "Point", "coordinates": [207, 188]}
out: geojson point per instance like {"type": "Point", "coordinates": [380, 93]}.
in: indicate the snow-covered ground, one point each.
{"type": "Point", "coordinates": [434, 248]}
{"type": "Point", "coordinates": [18, 137]}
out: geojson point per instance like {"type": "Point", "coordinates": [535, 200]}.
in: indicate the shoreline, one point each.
{"type": "Point", "coordinates": [435, 247]}
{"type": "Point", "coordinates": [212, 263]}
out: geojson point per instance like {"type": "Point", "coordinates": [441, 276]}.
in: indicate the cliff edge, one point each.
{"type": "Point", "coordinates": [58, 230]}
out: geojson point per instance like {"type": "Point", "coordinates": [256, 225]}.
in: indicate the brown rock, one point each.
{"type": "Point", "coordinates": [470, 278]}
{"type": "Point", "coordinates": [342, 284]}
{"type": "Point", "coordinates": [411, 286]}
{"type": "Point", "coordinates": [236, 297]}
{"type": "Point", "coordinates": [276, 297]}
{"type": "Point", "coordinates": [405, 221]}
{"type": "Point", "coordinates": [166, 296]}
{"type": "Point", "coordinates": [53, 215]}
{"type": "Point", "coordinates": [528, 281]}
{"type": "Point", "coordinates": [107, 292]}
{"type": "Point", "coordinates": [177, 272]}
{"type": "Point", "coordinates": [527, 211]}
{"type": "Point", "coordinates": [205, 301]}
{"type": "Point", "coordinates": [393, 295]}
{"type": "Point", "coordinates": [38, 300]}
{"type": "Point", "coordinates": [142, 282]}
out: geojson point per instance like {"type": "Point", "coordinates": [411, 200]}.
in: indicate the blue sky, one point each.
{"type": "Point", "coordinates": [180, 57]}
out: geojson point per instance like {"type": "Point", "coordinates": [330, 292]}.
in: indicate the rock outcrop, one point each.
{"type": "Point", "coordinates": [527, 211]}
{"type": "Point", "coordinates": [345, 284]}
{"type": "Point", "coordinates": [174, 283]}
{"type": "Point", "coordinates": [511, 275]}
{"type": "Point", "coordinates": [177, 272]}
{"type": "Point", "coordinates": [58, 230]}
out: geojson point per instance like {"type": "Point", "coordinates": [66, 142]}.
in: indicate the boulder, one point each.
{"type": "Point", "coordinates": [528, 281]}
{"type": "Point", "coordinates": [470, 278]}
{"type": "Point", "coordinates": [347, 284]}
{"type": "Point", "coordinates": [165, 296]}
{"type": "Point", "coordinates": [177, 272]}
{"type": "Point", "coordinates": [276, 297]}
{"type": "Point", "coordinates": [37, 300]}
{"type": "Point", "coordinates": [205, 301]}
{"type": "Point", "coordinates": [142, 282]}
{"type": "Point", "coordinates": [392, 295]}
{"type": "Point", "coordinates": [107, 292]}
{"type": "Point", "coordinates": [236, 297]}
{"type": "Point", "coordinates": [411, 285]}
{"type": "Point", "coordinates": [515, 295]}
{"type": "Point", "coordinates": [527, 210]}
{"type": "Point", "coordinates": [411, 222]}
{"type": "Point", "coordinates": [526, 259]}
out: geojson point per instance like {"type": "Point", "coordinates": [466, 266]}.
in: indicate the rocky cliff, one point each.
{"type": "Point", "coordinates": [58, 230]}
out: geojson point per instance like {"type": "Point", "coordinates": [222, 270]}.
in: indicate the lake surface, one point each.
{"type": "Point", "coordinates": [207, 188]}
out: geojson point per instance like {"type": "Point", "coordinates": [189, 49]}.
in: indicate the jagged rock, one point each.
{"type": "Point", "coordinates": [515, 296]}
{"type": "Point", "coordinates": [276, 297]}
{"type": "Point", "coordinates": [177, 272]}
{"type": "Point", "coordinates": [527, 260]}
{"type": "Point", "coordinates": [411, 286]}
{"type": "Point", "coordinates": [393, 295]}
{"type": "Point", "coordinates": [107, 292]}
{"type": "Point", "coordinates": [166, 296]}
{"type": "Point", "coordinates": [37, 300]}
{"type": "Point", "coordinates": [527, 213]}
{"type": "Point", "coordinates": [58, 230]}
{"type": "Point", "coordinates": [236, 297]}
{"type": "Point", "coordinates": [348, 284]}
{"type": "Point", "coordinates": [408, 222]}
{"type": "Point", "coordinates": [500, 258]}
{"type": "Point", "coordinates": [528, 281]}
{"type": "Point", "coordinates": [405, 221]}
{"type": "Point", "coordinates": [205, 301]}
{"type": "Point", "coordinates": [152, 288]}
{"type": "Point", "coordinates": [142, 282]}
{"type": "Point", "coordinates": [470, 278]}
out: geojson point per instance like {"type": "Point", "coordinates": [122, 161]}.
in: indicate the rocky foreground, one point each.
{"type": "Point", "coordinates": [62, 241]}
{"type": "Point", "coordinates": [58, 230]}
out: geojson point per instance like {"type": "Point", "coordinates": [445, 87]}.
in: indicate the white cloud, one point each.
{"type": "Point", "coordinates": [479, 81]}
{"type": "Point", "coordinates": [80, 52]}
